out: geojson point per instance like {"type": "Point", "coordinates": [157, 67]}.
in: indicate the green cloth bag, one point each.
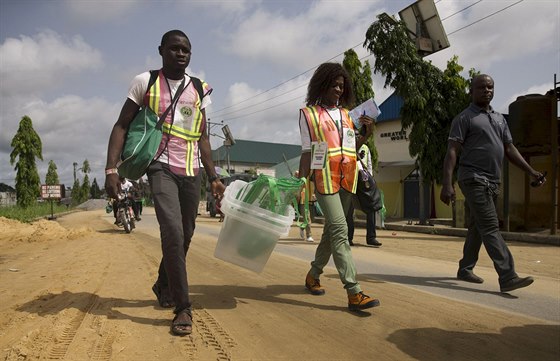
{"type": "Point", "coordinates": [143, 139]}
{"type": "Point", "coordinates": [141, 144]}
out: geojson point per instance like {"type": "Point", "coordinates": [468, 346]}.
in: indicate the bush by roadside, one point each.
{"type": "Point", "coordinates": [33, 212]}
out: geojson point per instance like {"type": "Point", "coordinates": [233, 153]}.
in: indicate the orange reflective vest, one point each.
{"type": "Point", "coordinates": [183, 133]}
{"type": "Point", "coordinates": [340, 169]}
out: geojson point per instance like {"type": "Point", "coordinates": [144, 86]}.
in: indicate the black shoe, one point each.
{"type": "Point", "coordinates": [374, 243]}
{"type": "Point", "coordinates": [469, 277]}
{"type": "Point", "coordinates": [516, 283]}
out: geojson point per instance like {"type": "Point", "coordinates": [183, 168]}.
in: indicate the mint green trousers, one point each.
{"type": "Point", "coordinates": [334, 240]}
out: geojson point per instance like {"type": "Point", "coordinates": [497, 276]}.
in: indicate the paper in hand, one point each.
{"type": "Point", "coordinates": [369, 108]}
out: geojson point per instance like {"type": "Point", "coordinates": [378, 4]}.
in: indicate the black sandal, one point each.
{"type": "Point", "coordinates": [182, 328]}
{"type": "Point", "coordinates": [163, 298]}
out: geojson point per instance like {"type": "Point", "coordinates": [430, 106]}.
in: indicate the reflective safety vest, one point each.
{"type": "Point", "coordinates": [340, 169]}
{"type": "Point", "coordinates": [181, 133]}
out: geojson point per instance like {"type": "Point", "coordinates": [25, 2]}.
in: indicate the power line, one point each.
{"type": "Point", "coordinates": [460, 11]}
{"type": "Point", "coordinates": [486, 17]}
{"type": "Point", "coordinates": [276, 86]}
{"type": "Point", "coordinates": [214, 113]}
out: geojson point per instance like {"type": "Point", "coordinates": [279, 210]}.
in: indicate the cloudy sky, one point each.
{"type": "Point", "coordinates": [67, 64]}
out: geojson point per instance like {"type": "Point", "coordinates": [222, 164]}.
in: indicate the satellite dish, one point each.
{"type": "Point", "coordinates": [425, 27]}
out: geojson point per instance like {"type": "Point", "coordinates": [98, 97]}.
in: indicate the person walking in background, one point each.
{"type": "Point", "coordinates": [174, 175]}
{"type": "Point", "coordinates": [371, 233]}
{"type": "Point", "coordinates": [305, 233]}
{"type": "Point", "coordinates": [327, 131]}
{"type": "Point", "coordinates": [479, 138]}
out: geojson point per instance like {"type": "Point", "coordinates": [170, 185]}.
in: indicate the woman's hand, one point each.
{"type": "Point", "coordinates": [368, 123]}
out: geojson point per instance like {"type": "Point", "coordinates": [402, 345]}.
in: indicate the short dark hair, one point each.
{"type": "Point", "coordinates": [322, 79]}
{"type": "Point", "coordinates": [171, 33]}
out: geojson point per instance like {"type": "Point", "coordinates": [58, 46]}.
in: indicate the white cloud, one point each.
{"type": "Point", "coordinates": [35, 64]}
{"type": "Point", "coordinates": [535, 89]}
{"type": "Point", "coordinates": [270, 117]}
{"type": "Point", "coordinates": [100, 11]}
{"type": "Point", "coordinates": [304, 40]}
{"type": "Point", "coordinates": [71, 129]}
{"type": "Point", "coordinates": [526, 28]}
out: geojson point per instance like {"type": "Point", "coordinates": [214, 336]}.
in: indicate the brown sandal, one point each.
{"type": "Point", "coordinates": [182, 327]}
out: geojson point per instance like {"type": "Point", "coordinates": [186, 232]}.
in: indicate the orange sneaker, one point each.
{"type": "Point", "coordinates": [313, 285]}
{"type": "Point", "coordinates": [360, 301]}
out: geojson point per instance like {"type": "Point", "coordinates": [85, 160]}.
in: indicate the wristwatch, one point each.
{"type": "Point", "coordinates": [213, 178]}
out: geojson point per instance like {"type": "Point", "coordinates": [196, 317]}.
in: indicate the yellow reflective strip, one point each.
{"type": "Point", "coordinates": [316, 124]}
{"type": "Point", "coordinates": [181, 133]}
{"type": "Point", "coordinates": [155, 96]}
{"type": "Point", "coordinates": [189, 159]}
{"type": "Point", "coordinates": [327, 181]}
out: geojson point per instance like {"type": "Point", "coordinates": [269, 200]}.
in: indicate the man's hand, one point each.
{"type": "Point", "coordinates": [447, 194]}
{"type": "Point", "coordinates": [112, 185]}
{"type": "Point", "coordinates": [218, 189]}
{"type": "Point", "coordinates": [540, 179]}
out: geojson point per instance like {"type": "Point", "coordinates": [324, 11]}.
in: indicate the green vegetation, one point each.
{"type": "Point", "coordinates": [432, 97]}
{"type": "Point", "coordinates": [363, 90]}
{"type": "Point", "coordinates": [26, 146]}
{"type": "Point", "coordinates": [31, 213]}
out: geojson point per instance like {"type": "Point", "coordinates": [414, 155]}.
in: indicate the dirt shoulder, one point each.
{"type": "Point", "coordinates": [79, 289]}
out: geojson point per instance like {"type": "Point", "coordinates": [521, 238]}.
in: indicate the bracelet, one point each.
{"type": "Point", "coordinates": [212, 178]}
{"type": "Point", "coordinates": [111, 171]}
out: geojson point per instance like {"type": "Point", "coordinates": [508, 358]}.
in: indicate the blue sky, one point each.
{"type": "Point", "coordinates": [67, 64]}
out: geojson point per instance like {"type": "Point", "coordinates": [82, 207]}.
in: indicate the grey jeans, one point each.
{"type": "Point", "coordinates": [483, 228]}
{"type": "Point", "coordinates": [176, 203]}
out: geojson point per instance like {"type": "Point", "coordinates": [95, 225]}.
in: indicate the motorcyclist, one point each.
{"type": "Point", "coordinates": [126, 187]}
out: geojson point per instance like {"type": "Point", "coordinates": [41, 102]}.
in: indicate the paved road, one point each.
{"type": "Point", "coordinates": [541, 300]}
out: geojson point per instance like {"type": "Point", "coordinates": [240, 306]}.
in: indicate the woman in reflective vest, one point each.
{"type": "Point", "coordinates": [329, 145]}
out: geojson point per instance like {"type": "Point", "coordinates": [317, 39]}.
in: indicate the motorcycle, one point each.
{"type": "Point", "coordinates": [125, 212]}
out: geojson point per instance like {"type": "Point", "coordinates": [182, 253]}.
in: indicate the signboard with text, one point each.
{"type": "Point", "coordinates": [52, 191]}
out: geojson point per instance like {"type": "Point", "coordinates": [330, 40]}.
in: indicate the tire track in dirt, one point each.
{"type": "Point", "coordinates": [54, 339]}
{"type": "Point", "coordinates": [103, 347]}
{"type": "Point", "coordinates": [212, 335]}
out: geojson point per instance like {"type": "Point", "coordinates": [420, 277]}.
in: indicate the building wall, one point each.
{"type": "Point", "coordinates": [7, 199]}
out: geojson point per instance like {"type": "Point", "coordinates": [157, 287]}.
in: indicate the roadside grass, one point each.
{"type": "Point", "coordinates": [33, 212]}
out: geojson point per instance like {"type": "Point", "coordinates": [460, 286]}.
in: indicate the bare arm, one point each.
{"type": "Point", "coordinates": [116, 142]}
{"type": "Point", "coordinates": [206, 158]}
{"type": "Point", "coordinates": [305, 164]}
{"type": "Point", "coordinates": [513, 155]}
{"type": "Point", "coordinates": [448, 191]}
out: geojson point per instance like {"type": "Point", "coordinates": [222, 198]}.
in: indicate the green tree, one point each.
{"type": "Point", "coordinates": [95, 192]}
{"type": "Point", "coordinates": [86, 187]}
{"type": "Point", "coordinates": [432, 97]}
{"type": "Point", "coordinates": [363, 89]}
{"type": "Point", "coordinates": [52, 175]}
{"type": "Point", "coordinates": [76, 189]}
{"type": "Point", "coordinates": [26, 146]}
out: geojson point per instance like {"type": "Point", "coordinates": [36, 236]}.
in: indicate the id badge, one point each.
{"type": "Point", "coordinates": [348, 138]}
{"type": "Point", "coordinates": [318, 155]}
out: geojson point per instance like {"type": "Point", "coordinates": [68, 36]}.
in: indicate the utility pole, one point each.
{"type": "Point", "coordinates": [75, 165]}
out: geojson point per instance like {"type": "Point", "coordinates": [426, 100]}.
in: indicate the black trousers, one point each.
{"type": "Point", "coordinates": [176, 201]}
{"type": "Point", "coordinates": [483, 228]}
